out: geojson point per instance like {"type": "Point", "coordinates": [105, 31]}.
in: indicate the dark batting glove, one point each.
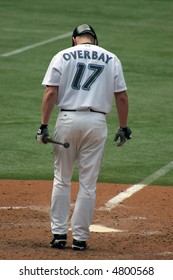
{"type": "Point", "coordinates": [123, 134]}
{"type": "Point", "coordinates": [41, 133]}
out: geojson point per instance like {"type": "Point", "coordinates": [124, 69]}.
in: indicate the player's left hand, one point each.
{"type": "Point", "coordinates": [123, 134]}
{"type": "Point", "coordinates": [41, 133]}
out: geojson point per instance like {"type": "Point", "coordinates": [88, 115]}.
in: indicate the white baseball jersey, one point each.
{"type": "Point", "coordinates": [87, 76]}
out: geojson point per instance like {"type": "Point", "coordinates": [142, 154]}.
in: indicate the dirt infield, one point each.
{"type": "Point", "coordinates": [144, 223]}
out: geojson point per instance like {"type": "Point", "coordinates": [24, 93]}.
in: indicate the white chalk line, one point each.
{"type": "Point", "coordinates": [30, 207]}
{"type": "Point", "coordinates": [137, 187]}
{"type": "Point", "coordinates": [36, 45]}
{"type": "Point", "coordinates": [13, 207]}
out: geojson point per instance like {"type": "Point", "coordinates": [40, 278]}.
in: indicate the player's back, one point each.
{"type": "Point", "coordinates": [87, 79]}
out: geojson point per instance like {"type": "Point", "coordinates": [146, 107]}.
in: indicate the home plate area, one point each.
{"type": "Point", "coordinates": [99, 228]}
{"type": "Point", "coordinates": [140, 227]}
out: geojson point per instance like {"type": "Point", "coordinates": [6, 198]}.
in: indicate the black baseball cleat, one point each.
{"type": "Point", "coordinates": [59, 241]}
{"type": "Point", "coordinates": [79, 245]}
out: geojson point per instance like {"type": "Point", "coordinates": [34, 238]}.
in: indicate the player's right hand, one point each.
{"type": "Point", "coordinates": [41, 133]}
{"type": "Point", "coordinates": [123, 134]}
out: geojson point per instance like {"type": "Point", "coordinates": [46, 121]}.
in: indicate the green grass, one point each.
{"type": "Point", "coordinates": [139, 32]}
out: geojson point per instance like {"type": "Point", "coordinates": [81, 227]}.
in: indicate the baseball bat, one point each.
{"type": "Point", "coordinates": [48, 139]}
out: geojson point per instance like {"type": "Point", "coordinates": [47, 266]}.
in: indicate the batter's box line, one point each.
{"type": "Point", "coordinates": [30, 207]}
{"type": "Point", "coordinates": [109, 205]}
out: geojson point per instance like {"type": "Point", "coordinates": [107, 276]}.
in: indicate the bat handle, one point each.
{"type": "Point", "coordinates": [48, 139]}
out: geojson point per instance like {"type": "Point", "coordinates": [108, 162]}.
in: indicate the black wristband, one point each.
{"type": "Point", "coordinates": [43, 126]}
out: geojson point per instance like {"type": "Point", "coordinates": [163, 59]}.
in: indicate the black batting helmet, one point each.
{"type": "Point", "coordinates": [84, 29]}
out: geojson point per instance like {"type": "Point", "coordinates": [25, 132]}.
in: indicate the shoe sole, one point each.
{"type": "Point", "coordinates": [59, 244]}
{"type": "Point", "coordinates": [77, 248]}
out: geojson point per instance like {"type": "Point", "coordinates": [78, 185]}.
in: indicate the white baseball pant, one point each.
{"type": "Point", "coordinates": [86, 132]}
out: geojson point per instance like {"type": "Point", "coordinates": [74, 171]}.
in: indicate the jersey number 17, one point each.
{"type": "Point", "coordinates": [81, 68]}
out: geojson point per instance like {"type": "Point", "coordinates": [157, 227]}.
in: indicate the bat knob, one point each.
{"type": "Point", "coordinates": [66, 145]}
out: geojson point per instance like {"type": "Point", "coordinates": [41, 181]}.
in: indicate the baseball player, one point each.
{"type": "Point", "coordinates": [81, 81]}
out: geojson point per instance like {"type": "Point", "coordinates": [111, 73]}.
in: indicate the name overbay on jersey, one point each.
{"type": "Point", "coordinates": [83, 54]}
